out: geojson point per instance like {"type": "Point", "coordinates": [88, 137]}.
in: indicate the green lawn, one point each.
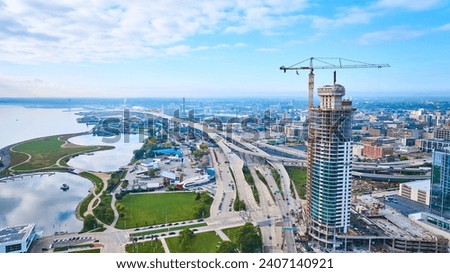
{"type": "Point", "coordinates": [103, 211]}
{"type": "Point", "coordinates": [82, 208]}
{"type": "Point", "coordinates": [45, 152]}
{"type": "Point", "coordinates": [139, 210]}
{"type": "Point", "coordinates": [153, 246]}
{"type": "Point", "coordinates": [298, 175]}
{"type": "Point", "coordinates": [232, 233]}
{"type": "Point", "coordinates": [97, 181]}
{"type": "Point", "coordinates": [249, 178]}
{"type": "Point", "coordinates": [47, 144]}
{"type": "Point", "coordinates": [205, 242]}
{"type": "Point", "coordinates": [95, 250]}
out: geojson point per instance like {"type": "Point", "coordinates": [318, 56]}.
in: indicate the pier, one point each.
{"type": "Point", "coordinates": [21, 176]}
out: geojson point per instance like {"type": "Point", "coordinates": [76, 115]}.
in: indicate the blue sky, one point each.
{"type": "Point", "coordinates": [219, 48]}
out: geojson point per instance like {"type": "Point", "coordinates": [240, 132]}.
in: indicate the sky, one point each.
{"type": "Point", "coordinates": [220, 48]}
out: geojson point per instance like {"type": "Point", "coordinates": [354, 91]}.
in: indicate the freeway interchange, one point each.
{"type": "Point", "coordinates": [278, 212]}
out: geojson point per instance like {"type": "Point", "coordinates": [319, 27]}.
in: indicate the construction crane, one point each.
{"type": "Point", "coordinates": [325, 63]}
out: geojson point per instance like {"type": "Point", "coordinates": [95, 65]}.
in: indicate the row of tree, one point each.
{"type": "Point", "coordinates": [202, 205]}
{"type": "Point", "coordinates": [248, 240]}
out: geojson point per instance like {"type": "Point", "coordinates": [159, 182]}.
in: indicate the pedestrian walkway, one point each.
{"type": "Point", "coordinates": [222, 235]}
{"type": "Point", "coordinates": [164, 244]}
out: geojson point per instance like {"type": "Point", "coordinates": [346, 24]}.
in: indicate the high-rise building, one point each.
{"type": "Point", "coordinates": [440, 184]}
{"type": "Point", "coordinates": [329, 165]}
{"type": "Point", "coordinates": [442, 133]}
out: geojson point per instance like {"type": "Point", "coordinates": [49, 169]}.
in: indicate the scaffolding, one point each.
{"type": "Point", "coordinates": [329, 166]}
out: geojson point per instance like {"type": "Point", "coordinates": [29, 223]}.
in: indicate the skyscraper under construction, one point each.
{"type": "Point", "coordinates": [329, 165]}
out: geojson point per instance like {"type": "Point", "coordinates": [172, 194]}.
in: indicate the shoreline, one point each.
{"type": "Point", "coordinates": [59, 165]}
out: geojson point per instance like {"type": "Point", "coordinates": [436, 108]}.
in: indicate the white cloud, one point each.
{"type": "Point", "coordinates": [103, 30]}
{"type": "Point", "coordinates": [415, 5]}
{"type": "Point", "coordinates": [185, 49]}
{"type": "Point", "coordinates": [398, 33]}
{"type": "Point", "coordinates": [348, 16]}
{"type": "Point", "coordinates": [268, 49]}
{"type": "Point", "coordinates": [19, 86]}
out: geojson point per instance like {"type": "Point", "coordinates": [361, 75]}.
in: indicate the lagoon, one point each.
{"type": "Point", "coordinates": [40, 200]}
{"type": "Point", "coordinates": [109, 160]}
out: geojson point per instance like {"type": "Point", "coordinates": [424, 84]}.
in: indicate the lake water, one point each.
{"type": "Point", "coordinates": [40, 200]}
{"type": "Point", "coordinates": [20, 123]}
{"type": "Point", "coordinates": [109, 160]}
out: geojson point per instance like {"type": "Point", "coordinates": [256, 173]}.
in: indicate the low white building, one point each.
{"type": "Point", "coordinates": [151, 163]}
{"type": "Point", "coordinates": [16, 239]}
{"type": "Point", "coordinates": [418, 191]}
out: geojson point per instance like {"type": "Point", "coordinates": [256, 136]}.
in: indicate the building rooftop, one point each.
{"type": "Point", "coordinates": [419, 184]}
{"type": "Point", "coordinates": [394, 223]}
{"type": "Point", "coordinates": [15, 233]}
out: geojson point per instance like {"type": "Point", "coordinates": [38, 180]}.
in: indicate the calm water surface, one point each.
{"type": "Point", "coordinates": [19, 123]}
{"type": "Point", "coordinates": [109, 160]}
{"type": "Point", "coordinates": [40, 200]}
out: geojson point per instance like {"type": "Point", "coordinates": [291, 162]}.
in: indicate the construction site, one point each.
{"type": "Point", "coordinates": [376, 227]}
{"type": "Point", "coordinates": [335, 220]}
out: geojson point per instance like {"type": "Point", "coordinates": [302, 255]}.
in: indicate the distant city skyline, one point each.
{"type": "Point", "coordinates": [219, 48]}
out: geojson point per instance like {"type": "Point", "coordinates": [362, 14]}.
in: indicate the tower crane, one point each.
{"type": "Point", "coordinates": [326, 63]}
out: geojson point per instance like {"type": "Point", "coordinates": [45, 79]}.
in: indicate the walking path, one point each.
{"type": "Point", "coordinates": [222, 235]}
{"type": "Point", "coordinates": [91, 207]}
{"type": "Point", "coordinates": [164, 244]}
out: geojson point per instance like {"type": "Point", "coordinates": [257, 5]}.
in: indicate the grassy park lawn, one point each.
{"type": "Point", "coordinates": [173, 228]}
{"type": "Point", "coordinates": [137, 210]}
{"type": "Point", "coordinates": [98, 182]}
{"type": "Point", "coordinates": [205, 242]}
{"type": "Point", "coordinates": [298, 175]}
{"type": "Point", "coordinates": [232, 233]}
{"type": "Point", "coordinates": [153, 246]}
{"type": "Point", "coordinates": [95, 250]}
{"type": "Point", "coordinates": [45, 153]}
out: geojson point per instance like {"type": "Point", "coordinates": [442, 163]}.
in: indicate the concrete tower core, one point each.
{"type": "Point", "coordinates": [329, 166]}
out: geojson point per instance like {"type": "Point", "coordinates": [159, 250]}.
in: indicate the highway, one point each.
{"type": "Point", "coordinates": [279, 210]}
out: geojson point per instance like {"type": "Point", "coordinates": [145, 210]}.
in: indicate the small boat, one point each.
{"type": "Point", "coordinates": [64, 187]}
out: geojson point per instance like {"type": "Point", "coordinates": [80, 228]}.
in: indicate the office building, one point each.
{"type": "Point", "coordinates": [440, 184]}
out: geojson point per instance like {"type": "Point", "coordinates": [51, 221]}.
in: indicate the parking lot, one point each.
{"type": "Point", "coordinates": [404, 206]}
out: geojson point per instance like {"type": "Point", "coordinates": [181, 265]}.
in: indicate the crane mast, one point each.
{"type": "Point", "coordinates": [325, 63]}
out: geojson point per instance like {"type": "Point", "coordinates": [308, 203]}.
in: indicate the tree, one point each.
{"type": "Point", "coordinates": [197, 154]}
{"type": "Point", "coordinates": [185, 238]}
{"type": "Point", "coordinates": [227, 247]}
{"type": "Point", "coordinates": [198, 196]}
{"type": "Point", "coordinates": [139, 154]}
{"type": "Point", "coordinates": [204, 147]}
{"type": "Point", "coordinates": [167, 144]}
{"type": "Point", "coordinates": [152, 173]}
{"type": "Point", "coordinates": [403, 158]}
{"type": "Point", "coordinates": [199, 210]}
{"type": "Point", "coordinates": [206, 198]}
{"type": "Point", "coordinates": [89, 223]}
{"type": "Point", "coordinates": [249, 239]}
{"type": "Point", "coordinates": [427, 164]}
